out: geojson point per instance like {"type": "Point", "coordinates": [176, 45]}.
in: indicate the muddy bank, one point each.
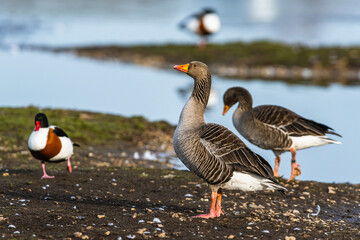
{"type": "Point", "coordinates": [265, 60]}
{"type": "Point", "coordinates": [115, 192]}
{"type": "Point", "coordinates": [108, 203]}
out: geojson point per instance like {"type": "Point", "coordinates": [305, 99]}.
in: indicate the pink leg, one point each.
{"type": "Point", "coordinates": [212, 213]}
{"type": "Point", "coordinates": [69, 168]}
{"type": "Point", "coordinates": [295, 168]}
{"type": "Point", "coordinates": [218, 211]}
{"type": "Point", "coordinates": [45, 175]}
{"type": "Point", "coordinates": [276, 168]}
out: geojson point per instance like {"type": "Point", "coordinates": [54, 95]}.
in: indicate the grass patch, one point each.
{"type": "Point", "coordinates": [260, 53]}
{"type": "Point", "coordinates": [16, 125]}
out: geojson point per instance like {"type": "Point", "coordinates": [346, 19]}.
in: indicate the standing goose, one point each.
{"type": "Point", "coordinates": [204, 24]}
{"type": "Point", "coordinates": [50, 144]}
{"type": "Point", "coordinates": [213, 152]}
{"type": "Point", "coordinates": [274, 127]}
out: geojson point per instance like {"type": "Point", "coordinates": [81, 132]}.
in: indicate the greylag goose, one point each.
{"type": "Point", "coordinates": [204, 24]}
{"type": "Point", "coordinates": [276, 128]}
{"type": "Point", "coordinates": [50, 144]}
{"type": "Point", "coordinates": [213, 152]}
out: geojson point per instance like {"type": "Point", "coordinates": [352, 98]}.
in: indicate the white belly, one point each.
{"type": "Point", "coordinates": [66, 151]}
{"type": "Point", "coordinates": [249, 182]}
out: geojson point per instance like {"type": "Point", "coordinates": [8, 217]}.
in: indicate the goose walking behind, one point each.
{"type": "Point", "coordinates": [204, 24]}
{"type": "Point", "coordinates": [213, 152]}
{"type": "Point", "coordinates": [276, 128]}
{"type": "Point", "coordinates": [50, 144]}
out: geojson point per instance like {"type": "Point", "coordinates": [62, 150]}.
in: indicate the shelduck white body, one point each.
{"type": "Point", "coordinates": [50, 143]}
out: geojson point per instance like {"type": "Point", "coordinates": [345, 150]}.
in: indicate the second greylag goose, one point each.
{"type": "Point", "coordinates": [276, 128]}
{"type": "Point", "coordinates": [213, 152]}
{"type": "Point", "coordinates": [50, 144]}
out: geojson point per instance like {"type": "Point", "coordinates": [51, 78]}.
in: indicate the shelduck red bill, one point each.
{"type": "Point", "coordinates": [37, 126]}
{"type": "Point", "coordinates": [183, 68]}
{"type": "Point", "coordinates": [226, 108]}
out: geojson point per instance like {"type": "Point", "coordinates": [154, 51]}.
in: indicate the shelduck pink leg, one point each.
{"type": "Point", "coordinates": [295, 168]}
{"type": "Point", "coordinates": [276, 168]}
{"type": "Point", "coordinates": [69, 168]}
{"type": "Point", "coordinates": [212, 213]}
{"type": "Point", "coordinates": [45, 175]}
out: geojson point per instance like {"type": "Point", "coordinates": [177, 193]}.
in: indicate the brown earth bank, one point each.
{"type": "Point", "coordinates": [142, 203]}
{"type": "Point", "coordinates": [263, 59]}
{"type": "Point", "coordinates": [114, 192]}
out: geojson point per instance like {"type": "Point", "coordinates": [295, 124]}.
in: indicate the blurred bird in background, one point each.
{"type": "Point", "coordinates": [204, 24]}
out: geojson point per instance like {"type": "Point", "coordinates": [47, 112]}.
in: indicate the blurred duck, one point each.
{"type": "Point", "coordinates": [276, 128]}
{"type": "Point", "coordinates": [204, 23]}
{"type": "Point", "coordinates": [50, 144]}
{"type": "Point", "coordinates": [213, 152]}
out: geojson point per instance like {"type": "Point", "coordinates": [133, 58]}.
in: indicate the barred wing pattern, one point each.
{"type": "Point", "coordinates": [228, 148]}
{"type": "Point", "coordinates": [290, 122]}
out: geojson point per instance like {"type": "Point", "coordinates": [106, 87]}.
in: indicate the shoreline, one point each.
{"type": "Point", "coordinates": [111, 193]}
{"type": "Point", "coordinates": [266, 60]}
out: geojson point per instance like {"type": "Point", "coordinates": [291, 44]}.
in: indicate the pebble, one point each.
{"type": "Point", "coordinates": [142, 230]}
{"type": "Point", "coordinates": [77, 234]}
{"type": "Point", "coordinates": [331, 190]}
{"type": "Point", "coordinates": [6, 174]}
{"type": "Point", "coordinates": [100, 216]}
{"type": "Point", "coordinates": [156, 220]}
{"type": "Point", "coordinates": [162, 235]}
{"type": "Point", "coordinates": [296, 211]}
{"type": "Point", "coordinates": [266, 231]}
{"type": "Point", "coordinates": [107, 233]}
{"type": "Point", "coordinates": [170, 176]}
{"type": "Point", "coordinates": [11, 226]}
{"type": "Point", "coordinates": [290, 238]}
{"type": "Point", "coordinates": [130, 236]}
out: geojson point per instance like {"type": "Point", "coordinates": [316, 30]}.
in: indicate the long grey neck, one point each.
{"type": "Point", "coordinates": [192, 114]}
{"type": "Point", "coordinates": [240, 110]}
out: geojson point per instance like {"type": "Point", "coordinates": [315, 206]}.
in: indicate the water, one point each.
{"type": "Point", "coordinates": [53, 22]}
{"type": "Point", "coordinates": [64, 81]}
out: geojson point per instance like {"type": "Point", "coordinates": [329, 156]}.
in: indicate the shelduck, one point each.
{"type": "Point", "coordinates": [50, 144]}
{"type": "Point", "coordinates": [204, 24]}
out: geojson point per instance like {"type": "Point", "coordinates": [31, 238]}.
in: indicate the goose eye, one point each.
{"type": "Point", "coordinates": [194, 65]}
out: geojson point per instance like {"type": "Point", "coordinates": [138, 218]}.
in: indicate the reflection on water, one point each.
{"type": "Point", "coordinates": [129, 22]}
{"type": "Point", "coordinates": [59, 81]}
{"type": "Point", "coordinates": [63, 81]}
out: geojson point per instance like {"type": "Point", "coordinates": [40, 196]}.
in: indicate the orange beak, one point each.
{"type": "Point", "coordinates": [226, 108]}
{"type": "Point", "coordinates": [183, 68]}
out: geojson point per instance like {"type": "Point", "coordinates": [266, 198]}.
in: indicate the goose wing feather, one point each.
{"type": "Point", "coordinates": [289, 122]}
{"type": "Point", "coordinates": [228, 148]}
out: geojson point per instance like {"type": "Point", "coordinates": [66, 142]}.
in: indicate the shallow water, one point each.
{"type": "Point", "coordinates": [65, 81]}
{"type": "Point", "coordinates": [53, 22]}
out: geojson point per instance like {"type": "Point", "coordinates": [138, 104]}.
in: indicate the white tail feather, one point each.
{"type": "Point", "coordinates": [311, 141]}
